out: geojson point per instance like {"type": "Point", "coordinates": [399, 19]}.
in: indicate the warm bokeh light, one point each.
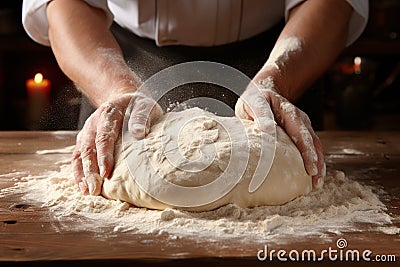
{"type": "Point", "coordinates": [357, 60]}
{"type": "Point", "coordinates": [38, 78]}
{"type": "Point", "coordinates": [357, 65]}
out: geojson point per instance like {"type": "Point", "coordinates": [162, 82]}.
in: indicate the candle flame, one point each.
{"type": "Point", "coordinates": [357, 65]}
{"type": "Point", "coordinates": [38, 78]}
{"type": "Point", "coordinates": [357, 61]}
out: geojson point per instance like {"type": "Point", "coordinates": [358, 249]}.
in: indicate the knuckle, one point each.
{"type": "Point", "coordinates": [139, 117]}
{"type": "Point", "coordinates": [108, 106]}
{"type": "Point", "coordinates": [304, 117]}
{"type": "Point", "coordinates": [106, 157]}
{"type": "Point", "coordinates": [305, 133]}
{"type": "Point", "coordinates": [89, 123]}
{"type": "Point", "coordinates": [109, 109]}
{"type": "Point", "coordinates": [76, 153]}
{"type": "Point", "coordinates": [79, 137]}
{"type": "Point", "coordinates": [76, 156]}
{"type": "Point", "coordinates": [278, 97]}
{"type": "Point", "coordinates": [87, 150]}
{"type": "Point", "coordinates": [141, 106]}
{"type": "Point", "coordinates": [103, 138]}
{"type": "Point", "coordinates": [289, 110]}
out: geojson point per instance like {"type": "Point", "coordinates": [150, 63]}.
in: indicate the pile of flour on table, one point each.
{"type": "Point", "coordinates": [340, 206]}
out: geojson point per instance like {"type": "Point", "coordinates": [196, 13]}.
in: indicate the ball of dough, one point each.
{"type": "Point", "coordinates": [180, 164]}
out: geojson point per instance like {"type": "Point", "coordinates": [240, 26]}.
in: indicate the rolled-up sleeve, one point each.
{"type": "Point", "coordinates": [358, 20]}
{"type": "Point", "coordinates": [34, 18]}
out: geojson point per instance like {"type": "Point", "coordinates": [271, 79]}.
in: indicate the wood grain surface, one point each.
{"type": "Point", "coordinates": [30, 236]}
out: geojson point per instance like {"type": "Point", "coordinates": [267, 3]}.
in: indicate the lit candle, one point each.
{"type": "Point", "coordinates": [38, 84]}
{"type": "Point", "coordinates": [38, 90]}
{"type": "Point", "coordinates": [357, 65]}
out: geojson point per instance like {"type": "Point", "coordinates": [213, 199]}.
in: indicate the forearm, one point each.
{"type": "Point", "coordinates": [321, 28]}
{"type": "Point", "coordinates": [87, 51]}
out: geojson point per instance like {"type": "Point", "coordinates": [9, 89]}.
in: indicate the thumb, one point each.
{"type": "Point", "coordinates": [255, 105]}
{"type": "Point", "coordinates": [144, 112]}
{"type": "Point", "coordinates": [240, 110]}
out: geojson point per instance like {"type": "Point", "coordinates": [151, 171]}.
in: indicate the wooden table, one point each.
{"type": "Point", "coordinates": [28, 234]}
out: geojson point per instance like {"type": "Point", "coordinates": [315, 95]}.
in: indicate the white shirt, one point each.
{"type": "Point", "coordinates": [189, 22]}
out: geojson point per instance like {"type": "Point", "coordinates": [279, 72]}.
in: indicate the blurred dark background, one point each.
{"type": "Point", "coordinates": [359, 92]}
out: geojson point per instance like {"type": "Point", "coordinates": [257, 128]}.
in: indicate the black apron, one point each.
{"type": "Point", "coordinates": [145, 58]}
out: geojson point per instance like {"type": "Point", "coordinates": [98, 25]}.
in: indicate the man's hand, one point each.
{"type": "Point", "coordinates": [93, 157]}
{"type": "Point", "coordinates": [291, 70]}
{"type": "Point", "coordinates": [294, 121]}
{"type": "Point", "coordinates": [79, 33]}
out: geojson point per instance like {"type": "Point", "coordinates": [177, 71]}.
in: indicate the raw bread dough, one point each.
{"type": "Point", "coordinates": [286, 180]}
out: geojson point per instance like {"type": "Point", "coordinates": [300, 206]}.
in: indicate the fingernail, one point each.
{"type": "Point", "coordinates": [320, 183]}
{"type": "Point", "coordinates": [324, 171]}
{"type": "Point", "coordinates": [92, 187]}
{"type": "Point", "coordinates": [314, 170]}
{"type": "Point", "coordinates": [138, 129]}
{"type": "Point", "coordinates": [82, 186]}
{"type": "Point", "coordinates": [102, 170]}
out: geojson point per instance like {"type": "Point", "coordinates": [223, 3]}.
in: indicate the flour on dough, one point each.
{"type": "Point", "coordinates": [286, 180]}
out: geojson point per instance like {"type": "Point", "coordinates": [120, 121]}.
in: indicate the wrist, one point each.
{"type": "Point", "coordinates": [118, 90]}
{"type": "Point", "coordinates": [118, 93]}
{"type": "Point", "coordinates": [271, 80]}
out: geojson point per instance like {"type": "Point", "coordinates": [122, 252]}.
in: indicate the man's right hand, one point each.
{"type": "Point", "coordinates": [93, 157]}
{"type": "Point", "coordinates": [89, 55]}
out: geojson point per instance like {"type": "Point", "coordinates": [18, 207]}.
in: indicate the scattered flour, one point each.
{"type": "Point", "coordinates": [64, 150]}
{"type": "Point", "coordinates": [340, 206]}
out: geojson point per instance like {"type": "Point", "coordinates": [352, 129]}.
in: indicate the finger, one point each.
{"type": "Point", "coordinates": [257, 107]}
{"type": "Point", "coordinates": [108, 129]}
{"type": "Point", "coordinates": [240, 110]}
{"type": "Point", "coordinates": [261, 115]}
{"type": "Point", "coordinates": [317, 179]}
{"type": "Point", "coordinates": [140, 120]}
{"type": "Point", "coordinates": [155, 115]}
{"type": "Point", "coordinates": [292, 122]}
{"type": "Point", "coordinates": [89, 157]}
{"type": "Point", "coordinates": [91, 170]}
{"type": "Point", "coordinates": [77, 166]}
{"type": "Point", "coordinates": [305, 144]}
{"type": "Point", "coordinates": [76, 161]}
